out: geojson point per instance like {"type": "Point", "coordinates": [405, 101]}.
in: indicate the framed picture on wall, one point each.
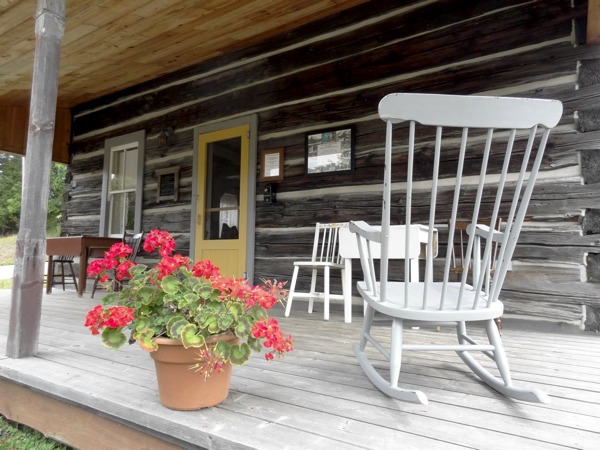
{"type": "Point", "coordinates": [330, 151]}
{"type": "Point", "coordinates": [271, 164]}
{"type": "Point", "coordinates": [167, 184]}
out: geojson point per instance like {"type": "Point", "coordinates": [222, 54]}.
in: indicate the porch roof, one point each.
{"type": "Point", "coordinates": [316, 397]}
{"type": "Point", "coordinates": [111, 45]}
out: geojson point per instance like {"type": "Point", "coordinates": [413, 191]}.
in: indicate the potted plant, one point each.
{"type": "Point", "coordinates": [179, 305]}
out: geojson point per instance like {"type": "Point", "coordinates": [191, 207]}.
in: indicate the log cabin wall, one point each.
{"type": "Point", "coordinates": [333, 73]}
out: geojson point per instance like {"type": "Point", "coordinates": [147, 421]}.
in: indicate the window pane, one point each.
{"type": "Point", "coordinates": [130, 169]}
{"type": "Point", "coordinates": [122, 213]}
{"type": "Point", "coordinates": [117, 206]}
{"type": "Point", "coordinates": [116, 170]}
{"type": "Point", "coordinates": [130, 213]}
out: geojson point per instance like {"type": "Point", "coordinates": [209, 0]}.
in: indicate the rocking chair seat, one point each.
{"type": "Point", "coordinates": [414, 309]}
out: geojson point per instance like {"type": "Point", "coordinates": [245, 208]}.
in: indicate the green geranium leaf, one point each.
{"type": "Point", "coordinates": [224, 322]}
{"type": "Point", "coordinates": [190, 338]}
{"type": "Point", "coordinates": [186, 301]}
{"type": "Point", "coordinates": [236, 309]}
{"type": "Point", "coordinates": [261, 313]}
{"type": "Point", "coordinates": [223, 350]}
{"type": "Point", "coordinates": [113, 338]}
{"type": "Point", "coordinates": [170, 284]}
{"type": "Point", "coordinates": [109, 298]}
{"type": "Point", "coordinates": [201, 287]}
{"type": "Point", "coordinates": [137, 270]}
{"type": "Point", "coordinates": [142, 324]}
{"type": "Point", "coordinates": [146, 339]}
{"type": "Point", "coordinates": [240, 354]}
{"type": "Point", "coordinates": [146, 293]}
{"type": "Point", "coordinates": [211, 325]}
{"type": "Point", "coordinates": [175, 325]}
{"type": "Point", "coordinates": [243, 327]}
{"type": "Point", "coordinates": [254, 344]}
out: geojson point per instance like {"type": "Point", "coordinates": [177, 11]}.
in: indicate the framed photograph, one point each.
{"type": "Point", "coordinates": [330, 151]}
{"type": "Point", "coordinates": [271, 164]}
{"type": "Point", "coordinates": [167, 184]}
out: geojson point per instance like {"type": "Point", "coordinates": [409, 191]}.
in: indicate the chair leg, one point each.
{"type": "Point", "coordinates": [62, 274]}
{"type": "Point", "coordinates": [347, 293]}
{"type": "Point", "coordinates": [503, 385]}
{"type": "Point", "coordinates": [369, 315]}
{"type": "Point", "coordinates": [326, 293]}
{"type": "Point", "coordinates": [390, 387]}
{"type": "Point", "coordinates": [288, 307]}
{"type": "Point", "coordinates": [313, 290]}
{"type": "Point", "coordinates": [73, 275]}
{"type": "Point", "coordinates": [396, 351]}
{"type": "Point", "coordinates": [96, 279]}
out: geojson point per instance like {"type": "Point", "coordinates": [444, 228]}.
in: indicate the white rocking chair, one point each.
{"type": "Point", "coordinates": [475, 157]}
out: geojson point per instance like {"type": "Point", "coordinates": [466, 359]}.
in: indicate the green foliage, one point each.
{"type": "Point", "coordinates": [10, 187]}
{"type": "Point", "coordinates": [113, 338]}
{"type": "Point", "coordinates": [55, 198]}
{"type": "Point", "coordinates": [11, 168]}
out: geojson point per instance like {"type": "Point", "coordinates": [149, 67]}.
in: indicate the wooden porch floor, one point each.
{"type": "Point", "coordinates": [315, 398]}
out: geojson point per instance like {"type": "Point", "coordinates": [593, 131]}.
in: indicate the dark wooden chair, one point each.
{"type": "Point", "coordinates": [63, 261]}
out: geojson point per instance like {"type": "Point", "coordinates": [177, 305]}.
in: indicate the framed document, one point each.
{"type": "Point", "coordinates": [271, 164]}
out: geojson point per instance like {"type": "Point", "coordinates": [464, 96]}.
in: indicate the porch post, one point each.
{"type": "Point", "coordinates": [28, 278]}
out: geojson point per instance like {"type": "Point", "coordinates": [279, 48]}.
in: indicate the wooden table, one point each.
{"type": "Point", "coordinates": [81, 246]}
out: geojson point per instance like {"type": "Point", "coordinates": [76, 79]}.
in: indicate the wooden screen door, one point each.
{"type": "Point", "coordinates": [222, 202]}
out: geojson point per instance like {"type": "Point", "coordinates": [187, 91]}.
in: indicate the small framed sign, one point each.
{"type": "Point", "coordinates": [330, 151]}
{"type": "Point", "coordinates": [271, 164]}
{"type": "Point", "coordinates": [168, 184]}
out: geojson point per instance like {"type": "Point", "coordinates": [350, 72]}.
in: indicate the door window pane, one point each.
{"type": "Point", "coordinates": [223, 189]}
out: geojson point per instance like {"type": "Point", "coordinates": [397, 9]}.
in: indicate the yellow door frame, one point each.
{"type": "Point", "coordinates": [219, 249]}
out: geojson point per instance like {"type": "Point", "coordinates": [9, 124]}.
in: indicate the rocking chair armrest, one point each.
{"type": "Point", "coordinates": [484, 230]}
{"type": "Point", "coordinates": [365, 230]}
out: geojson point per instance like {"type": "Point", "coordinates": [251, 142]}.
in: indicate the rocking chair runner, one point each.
{"type": "Point", "coordinates": [478, 144]}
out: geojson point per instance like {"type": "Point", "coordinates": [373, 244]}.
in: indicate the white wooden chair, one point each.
{"type": "Point", "coordinates": [473, 157]}
{"type": "Point", "coordinates": [325, 257]}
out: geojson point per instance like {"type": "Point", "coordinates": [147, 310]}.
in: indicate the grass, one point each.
{"type": "Point", "coordinates": [15, 436]}
{"type": "Point", "coordinates": [7, 250]}
{"type": "Point", "coordinates": [7, 258]}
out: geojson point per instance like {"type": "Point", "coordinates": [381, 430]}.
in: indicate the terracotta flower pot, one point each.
{"type": "Point", "coordinates": [182, 388]}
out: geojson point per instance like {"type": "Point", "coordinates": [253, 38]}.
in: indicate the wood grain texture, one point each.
{"type": "Point", "coordinates": [155, 38]}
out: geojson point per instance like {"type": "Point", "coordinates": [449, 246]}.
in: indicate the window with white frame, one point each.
{"type": "Point", "coordinates": [122, 185]}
